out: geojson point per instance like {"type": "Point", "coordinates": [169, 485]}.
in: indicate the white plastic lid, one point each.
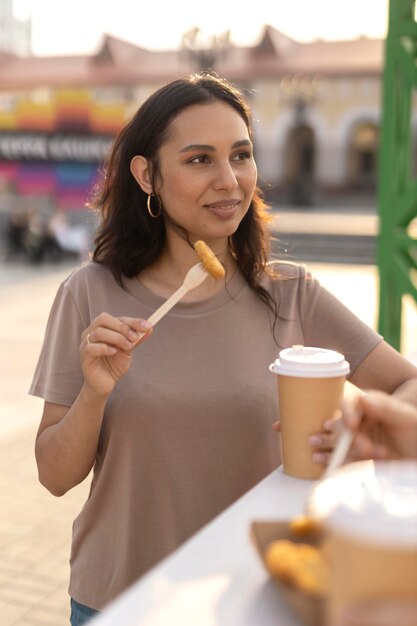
{"type": "Point", "coordinates": [374, 501]}
{"type": "Point", "coordinates": [308, 362]}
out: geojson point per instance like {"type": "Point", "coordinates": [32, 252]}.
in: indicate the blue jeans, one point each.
{"type": "Point", "coordinates": [80, 614]}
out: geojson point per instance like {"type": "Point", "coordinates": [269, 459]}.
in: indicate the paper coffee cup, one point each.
{"type": "Point", "coordinates": [310, 389]}
{"type": "Point", "coordinates": [369, 510]}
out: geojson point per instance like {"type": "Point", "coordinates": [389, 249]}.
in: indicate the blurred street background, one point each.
{"type": "Point", "coordinates": [70, 76]}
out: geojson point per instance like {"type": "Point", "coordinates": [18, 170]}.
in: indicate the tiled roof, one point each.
{"type": "Point", "coordinates": [121, 63]}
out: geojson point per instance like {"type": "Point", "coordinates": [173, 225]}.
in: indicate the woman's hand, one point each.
{"type": "Point", "coordinates": [384, 426]}
{"type": "Point", "coordinates": [106, 350]}
{"type": "Point", "coordinates": [322, 443]}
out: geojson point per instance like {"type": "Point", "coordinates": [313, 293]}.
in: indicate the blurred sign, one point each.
{"type": "Point", "coordinates": [53, 147]}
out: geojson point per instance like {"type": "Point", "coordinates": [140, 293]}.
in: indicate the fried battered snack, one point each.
{"type": "Point", "coordinates": [209, 260]}
{"type": "Point", "coordinates": [298, 564]}
{"type": "Point", "coordinates": [305, 525]}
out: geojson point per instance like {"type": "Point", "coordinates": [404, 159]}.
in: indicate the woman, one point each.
{"type": "Point", "coordinates": [182, 426]}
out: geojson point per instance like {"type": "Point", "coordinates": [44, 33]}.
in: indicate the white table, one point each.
{"type": "Point", "coordinates": [216, 578]}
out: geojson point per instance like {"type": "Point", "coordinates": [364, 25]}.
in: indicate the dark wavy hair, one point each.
{"type": "Point", "coordinates": [128, 238]}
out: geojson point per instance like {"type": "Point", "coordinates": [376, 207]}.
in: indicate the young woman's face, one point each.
{"type": "Point", "coordinates": [208, 173]}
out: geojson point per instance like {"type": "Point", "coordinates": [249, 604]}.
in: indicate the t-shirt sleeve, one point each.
{"type": "Point", "coordinates": [327, 322]}
{"type": "Point", "coordinates": [58, 377]}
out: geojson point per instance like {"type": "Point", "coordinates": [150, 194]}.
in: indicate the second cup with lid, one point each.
{"type": "Point", "coordinates": [310, 389]}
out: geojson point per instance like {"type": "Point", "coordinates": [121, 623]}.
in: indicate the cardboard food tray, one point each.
{"type": "Point", "coordinates": [310, 608]}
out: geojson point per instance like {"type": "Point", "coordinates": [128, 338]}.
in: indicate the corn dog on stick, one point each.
{"type": "Point", "coordinates": [209, 260]}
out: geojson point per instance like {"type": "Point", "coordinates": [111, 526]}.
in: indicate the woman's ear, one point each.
{"type": "Point", "coordinates": [139, 166]}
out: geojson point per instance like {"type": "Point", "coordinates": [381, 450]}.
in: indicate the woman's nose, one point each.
{"type": "Point", "coordinates": [225, 177]}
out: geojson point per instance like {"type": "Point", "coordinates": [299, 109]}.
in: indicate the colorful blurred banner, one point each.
{"type": "Point", "coordinates": [54, 148]}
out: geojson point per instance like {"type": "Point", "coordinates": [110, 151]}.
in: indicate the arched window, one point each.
{"type": "Point", "coordinates": [362, 157]}
{"type": "Point", "coordinates": [300, 164]}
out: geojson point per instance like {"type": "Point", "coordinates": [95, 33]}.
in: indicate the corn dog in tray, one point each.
{"type": "Point", "coordinates": [293, 554]}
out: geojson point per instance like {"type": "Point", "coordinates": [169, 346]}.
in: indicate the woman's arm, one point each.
{"type": "Point", "coordinates": [66, 443]}
{"type": "Point", "coordinates": [67, 439]}
{"type": "Point", "coordinates": [386, 370]}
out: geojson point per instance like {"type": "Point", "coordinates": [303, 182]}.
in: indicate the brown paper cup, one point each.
{"type": "Point", "coordinates": [310, 389]}
{"type": "Point", "coordinates": [304, 405]}
{"type": "Point", "coordinates": [364, 572]}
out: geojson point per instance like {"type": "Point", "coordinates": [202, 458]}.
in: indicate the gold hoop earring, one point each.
{"type": "Point", "coordinates": [148, 205]}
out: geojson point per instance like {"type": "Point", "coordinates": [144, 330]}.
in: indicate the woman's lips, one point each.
{"type": "Point", "coordinates": [223, 209]}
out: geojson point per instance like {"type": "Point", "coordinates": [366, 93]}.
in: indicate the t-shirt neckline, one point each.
{"type": "Point", "coordinates": [229, 291]}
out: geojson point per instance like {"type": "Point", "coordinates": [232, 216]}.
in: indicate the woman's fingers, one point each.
{"type": "Point", "coordinates": [327, 438]}
{"type": "Point", "coordinates": [324, 442]}
{"type": "Point", "coordinates": [122, 333]}
{"type": "Point", "coordinates": [137, 330]}
{"type": "Point", "coordinates": [323, 446]}
{"type": "Point", "coordinates": [96, 350]}
{"type": "Point", "coordinates": [137, 325]}
{"type": "Point", "coordinates": [106, 349]}
{"type": "Point", "coordinates": [114, 338]}
{"type": "Point", "coordinates": [322, 457]}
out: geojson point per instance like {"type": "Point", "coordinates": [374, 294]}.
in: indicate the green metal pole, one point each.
{"type": "Point", "coordinates": [397, 191]}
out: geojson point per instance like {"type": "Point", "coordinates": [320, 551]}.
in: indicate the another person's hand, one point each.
{"type": "Point", "coordinates": [106, 350]}
{"type": "Point", "coordinates": [384, 426]}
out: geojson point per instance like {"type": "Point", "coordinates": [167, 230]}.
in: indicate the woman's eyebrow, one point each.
{"type": "Point", "coordinates": [198, 146]}
{"type": "Point", "coordinates": [241, 143]}
{"type": "Point", "coordinates": [207, 148]}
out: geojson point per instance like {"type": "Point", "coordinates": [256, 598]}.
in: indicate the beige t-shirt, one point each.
{"type": "Point", "coordinates": [189, 428]}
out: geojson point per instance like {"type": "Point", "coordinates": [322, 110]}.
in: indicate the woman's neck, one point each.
{"type": "Point", "coordinates": [167, 273]}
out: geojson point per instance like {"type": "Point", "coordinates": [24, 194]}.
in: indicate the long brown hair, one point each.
{"type": "Point", "coordinates": [129, 239]}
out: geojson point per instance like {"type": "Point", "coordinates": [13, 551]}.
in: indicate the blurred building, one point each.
{"type": "Point", "coordinates": [15, 32]}
{"type": "Point", "coordinates": [316, 108]}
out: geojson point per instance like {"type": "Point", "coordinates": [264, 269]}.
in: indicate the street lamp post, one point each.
{"type": "Point", "coordinates": [204, 51]}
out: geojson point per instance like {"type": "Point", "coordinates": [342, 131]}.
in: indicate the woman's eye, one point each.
{"type": "Point", "coordinates": [204, 158]}
{"type": "Point", "coordinates": [201, 158]}
{"type": "Point", "coordinates": [241, 156]}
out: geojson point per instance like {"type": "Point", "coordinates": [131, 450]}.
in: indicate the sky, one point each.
{"type": "Point", "coordinates": [77, 26]}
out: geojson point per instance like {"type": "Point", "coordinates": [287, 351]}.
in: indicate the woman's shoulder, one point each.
{"type": "Point", "coordinates": [88, 273]}
{"type": "Point", "coordinates": [90, 280]}
{"type": "Point", "coordinates": [287, 270]}
{"type": "Point", "coordinates": [290, 283]}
